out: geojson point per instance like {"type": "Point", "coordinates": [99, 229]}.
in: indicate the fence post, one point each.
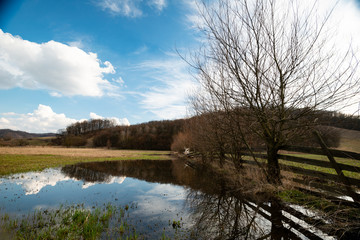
{"type": "Point", "coordinates": [337, 168]}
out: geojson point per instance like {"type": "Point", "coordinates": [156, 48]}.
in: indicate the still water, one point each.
{"type": "Point", "coordinates": [159, 192]}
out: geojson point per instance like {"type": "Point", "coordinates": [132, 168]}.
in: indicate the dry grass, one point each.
{"type": "Point", "coordinates": [75, 152]}
{"type": "Point", "coordinates": [350, 140]}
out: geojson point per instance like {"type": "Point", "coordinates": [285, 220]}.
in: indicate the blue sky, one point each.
{"type": "Point", "coordinates": [136, 76]}
{"type": "Point", "coordinates": [68, 60]}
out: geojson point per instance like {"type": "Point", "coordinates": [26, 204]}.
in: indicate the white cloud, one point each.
{"type": "Point", "coordinates": [141, 50]}
{"type": "Point", "coordinates": [77, 43]}
{"type": "Point", "coordinates": [54, 66]}
{"type": "Point", "coordinates": [117, 121]}
{"type": "Point", "coordinates": [159, 4]}
{"type": "Point", "coordinates": [130, 8]}
{"type": "Point", "coordinates": [55, 94]}
{"type": "Point", "coordinates": [95, 116]}
{"type": "Point", "coordinates": [44, 119]}
{"type": "Point", "coordinates": [119, 81]}
{"type": "Point", "coordinates": [168, 100]}
{"type": "Point", "coordinates": [41, 120]}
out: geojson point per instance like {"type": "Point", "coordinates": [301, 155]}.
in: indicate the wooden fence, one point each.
{"type": "Point", "coordinates": [288, 159]}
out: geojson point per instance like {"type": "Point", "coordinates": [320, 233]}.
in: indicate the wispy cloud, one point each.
{"type": "Point", "coordinates": [130, 8]}
{"type": "Point", "coordinates": [171, 84]}
{"type": "Point", "coordinates": [141, 50]}
{"type": "Point", "coordinates": [158, 4]}
{"type": "Point", "coordinates": [57, 67]}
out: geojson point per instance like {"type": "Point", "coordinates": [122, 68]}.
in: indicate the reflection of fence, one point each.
{"type": "Point", "coordinates": [291, 221]}
{"type": "Point", "coordinates": [291, 217]}
{"type": "Point", "coordinates": [319, 165]}
{"type": "Point", "coordinates": [321, 169]}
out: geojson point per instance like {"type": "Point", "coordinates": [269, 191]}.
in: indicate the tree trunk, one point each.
{"type": "Point", "coordinates": [273, 165]}
{"type": "Point", "coordinates": [277, 228]}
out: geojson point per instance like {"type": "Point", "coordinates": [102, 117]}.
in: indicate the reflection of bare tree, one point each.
{"type": "Point", "coordinates": [225, 217]}
{"type": "Point", "coordinates": [219, 211]}
{"type": "Point", "coordinates": [229, 217]}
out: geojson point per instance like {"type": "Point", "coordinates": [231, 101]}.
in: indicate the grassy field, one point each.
{"type": "Point", "coordinates": [23, 159]}
{"type": "Point", "coordinates": [350, 140]}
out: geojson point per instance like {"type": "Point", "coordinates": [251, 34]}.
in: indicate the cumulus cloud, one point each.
{"type": "Point", "coordinates": [130, 8]}
{"type": "Point", "coordinates": [116, 121]}
{"type": "Point", "coordinates": [44, 119]}
{"type": "Point", "coordinates": [60, 68]}
{"type": "Point", "coordinates": [41, 120]}
{"type": "Point", "coordinates": [168, 100]}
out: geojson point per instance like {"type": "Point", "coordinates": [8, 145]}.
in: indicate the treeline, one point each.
{"type": "Point", "coordinates": [159, 135]}
{"type": "Point", "coordinates": [340, 120]}
{"type": "Point", "coordinates": [219, 135]}
{"type": "Point", "coordinates": [88, 126]}
{"type": "Point", "coordinates": [154, 135]}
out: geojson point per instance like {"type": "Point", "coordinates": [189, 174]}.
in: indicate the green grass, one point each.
{"type": "Point", "coordinates": [72, 222]}
{"type": "Point", "coordinates": [320, 204]}
{"type": "Point", "coordinates": [303, 199]}
{"type": "Point", "coordinates": [11, 163]}
{"type": "Point", "coordinates": [329, 170]}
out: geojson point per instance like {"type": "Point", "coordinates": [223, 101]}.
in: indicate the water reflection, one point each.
{"type": "Point", "coordinates": [216, 211]}
{"type": "Point", "coordinates": [33, 182]}
{"type": "Point", "coordinates": [163, 191]}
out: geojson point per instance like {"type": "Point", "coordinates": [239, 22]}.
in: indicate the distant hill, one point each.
{"type": "Point", "coordinates": [8, 133]}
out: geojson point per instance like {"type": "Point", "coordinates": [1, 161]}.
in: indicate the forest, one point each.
{"type": "Point", "coordinates": [160, 135]}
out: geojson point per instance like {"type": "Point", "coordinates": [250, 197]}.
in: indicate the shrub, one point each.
{"type": "Point", "coordinates": [21, 142]}
{"type": "Point", "coordinates": [101, 139]}
{"type": "Point", "coordinates": [180, 142]}
{"type": "Point", "coordinates": [75, 141]}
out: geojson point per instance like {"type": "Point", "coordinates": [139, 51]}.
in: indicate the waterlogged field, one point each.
{"type": "Point", "coordinates": [22, 159]}
{"type": "Point", "coordinates": [76, 202]}
{"type": "Point", "coordinates": [99, 197]}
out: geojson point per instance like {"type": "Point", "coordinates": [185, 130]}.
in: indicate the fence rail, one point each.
{"type": "Point", "coordinates": [328, 162]}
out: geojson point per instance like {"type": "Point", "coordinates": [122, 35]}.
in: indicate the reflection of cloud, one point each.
{"type": "Point", "coordinates": [33, 182]}
{"type": "Point", "coordinates": [162, 198]}
{"type": "Point", "coordinates": [172, 192]}
{"type": "Point", "coordinates": [111, 180]}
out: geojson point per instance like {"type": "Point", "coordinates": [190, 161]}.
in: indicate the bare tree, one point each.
{"type": "Point", "coordinates": [272, 64]}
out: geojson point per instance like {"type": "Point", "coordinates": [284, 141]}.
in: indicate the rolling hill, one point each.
{"type": "Point", "coordinates": [12, 134]}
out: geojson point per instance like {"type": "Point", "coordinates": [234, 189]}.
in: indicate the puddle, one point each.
{"type": "Point", "coordinates": [158, 192]}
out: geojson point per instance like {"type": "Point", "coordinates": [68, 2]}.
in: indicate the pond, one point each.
{"type": "Point", "coordinates": [159, 193]}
